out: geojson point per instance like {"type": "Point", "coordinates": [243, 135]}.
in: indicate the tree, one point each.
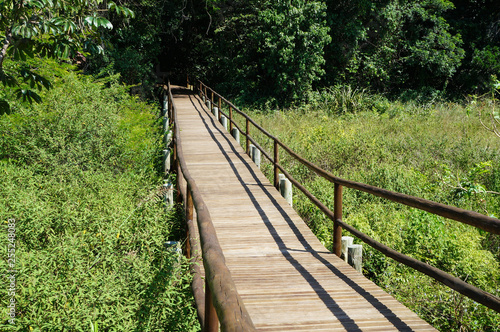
{"type": "Point", "coordinates": [291, 42]}
{"type": "Point", "coordinates": [390, 45]}
{"type": "Point", "coordinates": [478, 22]}
{"type": "Point", "coordinates": [263, 49]}
{"type": "Point", "coordinates": [48, 28]}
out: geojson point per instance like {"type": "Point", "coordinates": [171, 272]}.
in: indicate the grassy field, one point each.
{"type": "Point", "coordinates": [81, 199]}
{"type": "Point", "coordinates": [435, 150]}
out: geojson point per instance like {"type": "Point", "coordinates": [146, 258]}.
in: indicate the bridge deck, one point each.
{"type": "Point", "coordinates": [285, 276]}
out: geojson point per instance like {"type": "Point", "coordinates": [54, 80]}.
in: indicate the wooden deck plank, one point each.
{"type": "Point", "coordinates": [287, 279]}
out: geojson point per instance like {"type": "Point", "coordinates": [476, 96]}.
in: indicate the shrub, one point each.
{"type": "Point", "coordinates": [79, 176]}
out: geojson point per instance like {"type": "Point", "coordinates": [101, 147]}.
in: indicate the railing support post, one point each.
{"type": "Point", "coordinates": [337, 216]}
{"type": "Point", "coordinates": [211, 320]}
{"type": "Point", "coordinates": [248, 136]}
{"type": "Point", "coordinates": [219, 104]}
{"type": "Point", "coordinates": [189, 217]}
{"type": "Point", "coordinates": [223, 121]}
{"type": "Point", "coordinates": [178, 196]}
{"type": "Point", "coordinates": [169, 109]}
{"type": "Point", "coordinates": [212, 100]}
{"type": "Point", "coordinates": [167, 160]}
{"type": "Point", "coordinates": [286, 189]}
{"type": "Point", "coordinates": [346, 242]}
{"type": "Point", "coordinates": [276, 162]}
{"type": "Point", "coordinates": [230, 119]}
{"type": "Point", "coordinates": [355, 257]}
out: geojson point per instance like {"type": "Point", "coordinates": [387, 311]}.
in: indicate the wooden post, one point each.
{"type": "Point", "coordinates": [174, 159]}
{"type": "Point", "coordinates": [337, 216]}
{"type": "Point", "coordinates": [219, 102]}
{"type": "Point", "coordinates": [276, 163]}
{"type": "Point", "coordinates": [169, 107]}
{"type": "Point", "coordinates": [167, 138]}
{"type": "Point", "coordinates": [223, 120]}
{"type": "Point", "coordinates": [189, 217]}
{"type": "Point", "coordinates": [346, 242]}
{"type": "Point", "coordinates": [248, 137]}
{"type": "Point", "coordinates": [286, 189]}
{"type": "Point", "coordinates": [231, 121]}
{"type": "Point", "coordinates": [169, 194]}
{"type": "Point", "coordinates": [215, 112]}
{"type": "Point", "coordinates": [166, 161]}
{"type": "Point", "coordinates": [255, 155]}
{"type": "Point", "coordinates": [166, 123]}
{"type": "Point", "coordinates": [164, 106]}
{"type": "Point", "coordinates": [211, 320]}
{"type": "Point", "coordinates": [355, 256]}
{"type": "Point", "coordinates": [212, 97]}
{"type": "Point", "coordinates": [236, 134]}
{"type": "Point", "coordinates": [178, 193]}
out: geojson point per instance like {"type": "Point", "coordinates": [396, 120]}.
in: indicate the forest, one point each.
{"type": "Point", "coordinates": [281, 50]}
{"type": "Point", "coordinates": [277, 51]}
{"type": "Point", "coordinates": [398, 94]}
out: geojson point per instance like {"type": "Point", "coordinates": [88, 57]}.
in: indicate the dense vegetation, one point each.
{"type": "Point", "coordinates": [434, 151]}
{"type": "Point", "coordinates": [280, 49]}
{"type": "Point", "coordinates": [79, 175]}
{"type": "Point", "coordinates": [274, 50]}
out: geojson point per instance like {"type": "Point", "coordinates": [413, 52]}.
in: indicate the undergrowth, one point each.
{"type": "Point", "coordinates": [79, 175]}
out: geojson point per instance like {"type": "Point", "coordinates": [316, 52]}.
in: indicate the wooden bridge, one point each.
{"type": "Point", "coordinates": [263, 267]}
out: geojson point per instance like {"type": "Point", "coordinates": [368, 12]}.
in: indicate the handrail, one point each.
{"type": "Point", "coordinates": [220, 289]}
{"type": "Point", "coordinates": [472, 218]}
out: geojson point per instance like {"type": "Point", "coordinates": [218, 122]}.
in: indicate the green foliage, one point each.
{"type": "Point", "coordinates": [45, 28]}
{"type": "Point", "coordinates": [477, 22]}
{"type": "Point", "coordinates": [469, 184]}
{"type": "Point", "coordinates": [341, 99]}
{"type": "Point", "coordinates": [79, 176]}
{"type": "Point", "coordinates": [133, 46]}
{"type": "Point", "coordinates": [264, 49]}
{"type": "Point", "coordinates": [291, 38]}
{"type": "Point", "coordinates": [403, 149]}
{"type": "Point", "coordinates": [393, 44]}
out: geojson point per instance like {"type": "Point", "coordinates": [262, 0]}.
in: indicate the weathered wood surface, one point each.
{"type": "Point", "coordinates": [285, 276]}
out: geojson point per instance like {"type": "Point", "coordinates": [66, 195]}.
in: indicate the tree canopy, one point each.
{"type": "Point", "coordinates": [281, 49]}
{"type": "Point", "coordinates": [48, 28]}
{"type": "Point", "coordinates": [273, 50]}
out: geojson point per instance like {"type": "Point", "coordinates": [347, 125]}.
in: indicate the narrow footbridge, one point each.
{"type": "Point", "coordinates": [262, 268]}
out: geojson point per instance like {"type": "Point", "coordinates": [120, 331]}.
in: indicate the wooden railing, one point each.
{"type": "Point", "coordinates": [475, 219]}
{"type": "Point", "coordinates": [220, 302]}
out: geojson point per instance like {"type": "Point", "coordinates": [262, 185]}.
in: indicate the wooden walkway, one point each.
{"type": "Point", "coordinates": [285, 276]}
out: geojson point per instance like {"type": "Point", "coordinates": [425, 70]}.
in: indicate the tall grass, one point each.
{"type": "Point", "coordinates": [433, 150]}
{"type": "Point", "coordinates": [79, 174]}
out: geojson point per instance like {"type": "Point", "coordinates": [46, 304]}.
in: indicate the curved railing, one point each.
{"type": "Point", "coordinates": [221, 302]}
{"type": "Point", "coordinates": [475, 219]}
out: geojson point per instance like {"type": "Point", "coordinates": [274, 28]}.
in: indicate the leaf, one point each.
{"type": "Point", "coordinates": [102, 22]}
{"type": "Point", "coordinates": [6, 79]}
{"type": "Point", "coordinates": [90, 20]}
{"type": "Point", "coordinates": [4, 107]}
{"type": "Point", "coordinates": [28, 95]}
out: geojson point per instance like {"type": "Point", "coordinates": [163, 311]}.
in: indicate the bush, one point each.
{"type": "Point", "coordinates": [79, 176]}
{"type": "Point", "coordinates": [412, 151]}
